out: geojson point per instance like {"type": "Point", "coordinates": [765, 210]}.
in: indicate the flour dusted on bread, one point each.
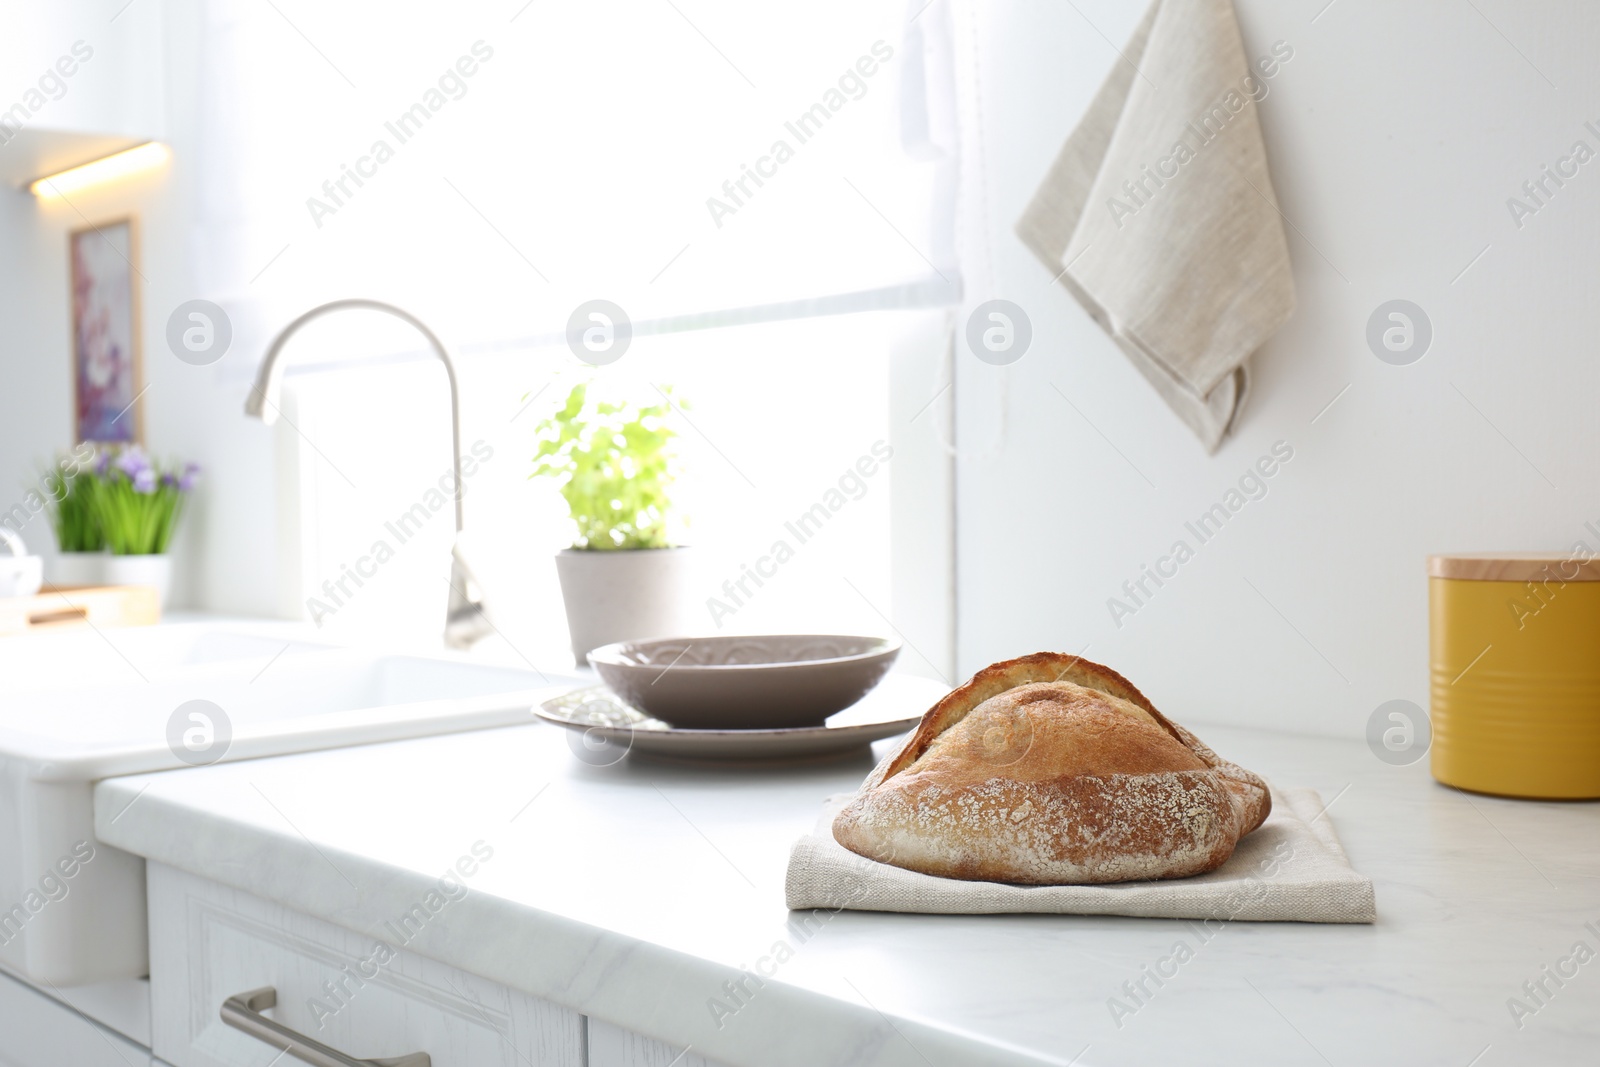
{"type": "Point", "coordinates": [1052, 770]}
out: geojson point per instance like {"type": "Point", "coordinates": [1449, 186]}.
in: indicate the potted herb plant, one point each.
{"type": "Point", "coordinates": [81, 545]}
{"type": "Point", "coordinates": [622, 579]}
{"type": "Point", "coordinates": [136, 506]}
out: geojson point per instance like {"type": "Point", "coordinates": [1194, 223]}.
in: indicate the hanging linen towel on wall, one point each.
{"type": "Point", "coordinates": [1159, 213]}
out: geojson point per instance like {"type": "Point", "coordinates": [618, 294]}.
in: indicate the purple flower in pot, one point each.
{"type": "Point", "coordinates": [132, 462]}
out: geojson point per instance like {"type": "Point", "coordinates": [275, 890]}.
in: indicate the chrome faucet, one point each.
{"type": "Point", "coordinates": [465, 621]}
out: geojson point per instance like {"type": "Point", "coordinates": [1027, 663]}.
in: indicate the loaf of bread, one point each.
{"type": "Point", "coordinates": [1051, 770]}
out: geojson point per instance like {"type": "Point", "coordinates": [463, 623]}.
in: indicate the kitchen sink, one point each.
{"type": "Point", "coordinates": [81, 656]}
{"type": "Point", "coordinates": [171, 697]}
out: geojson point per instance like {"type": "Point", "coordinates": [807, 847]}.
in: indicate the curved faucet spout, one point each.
{"type": "Point", "coordinates": [262, 402]}
{"type": "Point", "coordinates": [466, 621]}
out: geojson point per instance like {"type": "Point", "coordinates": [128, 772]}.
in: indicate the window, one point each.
{"type": "Point", "coordinates": [760, 189]}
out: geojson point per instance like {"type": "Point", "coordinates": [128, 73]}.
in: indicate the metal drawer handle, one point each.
{"type": "Point", "coordinates": [243, 1012]}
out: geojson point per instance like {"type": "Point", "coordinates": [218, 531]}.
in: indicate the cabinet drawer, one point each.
{"type": "Point", "coordinates": [365, 996]}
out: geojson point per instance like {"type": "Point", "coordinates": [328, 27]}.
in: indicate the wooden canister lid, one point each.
{"type": "Point", "coordinates": [1576, 566]}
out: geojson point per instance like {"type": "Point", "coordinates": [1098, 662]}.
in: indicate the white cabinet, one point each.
{"type": "Point", "coordinates": [82, 81]}
{"type": "Point", "coordinates": [209, 942]}
{"type": "Point", "coordinates": [346, 990]}
{"type": "Point", "coordinates": [39, 1031]}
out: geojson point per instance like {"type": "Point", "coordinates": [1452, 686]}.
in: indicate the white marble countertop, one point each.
{"type": "Point", "coordinates": [632, 893]}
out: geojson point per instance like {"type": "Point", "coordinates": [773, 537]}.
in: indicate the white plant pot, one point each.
{"type": "Point", "coordinates": [78, 568]}
{"type": "Point", "coordinates": [154, 570]}
{"type": "Point", "coordinates": [625, 595]}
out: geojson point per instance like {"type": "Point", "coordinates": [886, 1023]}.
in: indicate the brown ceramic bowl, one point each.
{"type": "Point", "coordinates": [744, 683]}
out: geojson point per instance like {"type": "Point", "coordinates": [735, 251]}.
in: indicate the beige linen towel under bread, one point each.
{"type": "Point", "coordinates": [1159, 214]}
{"type": "Point", "coordinates": [1290, 869]}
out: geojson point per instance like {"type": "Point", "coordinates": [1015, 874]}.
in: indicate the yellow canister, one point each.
{"type": "Point", "coordinates": [1514, 649]}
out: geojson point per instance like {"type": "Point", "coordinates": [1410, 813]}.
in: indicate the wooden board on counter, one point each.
{"type": "Point", "coordinates": [61, 607]}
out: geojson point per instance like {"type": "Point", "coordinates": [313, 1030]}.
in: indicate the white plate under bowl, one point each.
{"type": "Point", "coordinates": [612, 729]}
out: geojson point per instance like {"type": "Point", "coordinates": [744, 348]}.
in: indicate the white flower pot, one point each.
{"type": "Point", "coordinates": [78, 569]}
{"type": "Point", "coordinates": [624, 595]}
{"type": "Point", "coordinates": [154, 570]}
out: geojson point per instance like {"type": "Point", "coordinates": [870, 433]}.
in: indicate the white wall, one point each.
{"type": "Point", "coordinates": [1395, 136]}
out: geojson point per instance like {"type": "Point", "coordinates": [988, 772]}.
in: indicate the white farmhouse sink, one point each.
{"type": "Point", "coordinates": [63, 727]}
{"type": "Point", "coordinates": [53, 660]}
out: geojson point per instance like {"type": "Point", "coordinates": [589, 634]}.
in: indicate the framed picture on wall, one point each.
{"type": "Point", "coordinates": [106, 365]}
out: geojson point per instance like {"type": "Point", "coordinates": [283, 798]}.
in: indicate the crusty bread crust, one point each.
{"type": "Point", "coordinates": [1052, 770]}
